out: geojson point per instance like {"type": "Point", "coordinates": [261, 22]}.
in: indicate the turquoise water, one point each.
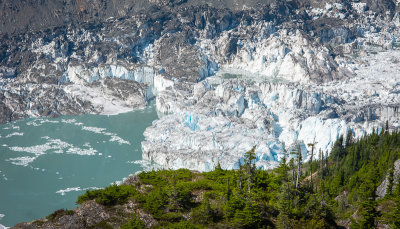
{"type": "Point", "coordinates": [46, 163]}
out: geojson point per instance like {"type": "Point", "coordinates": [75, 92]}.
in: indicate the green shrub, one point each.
{"type": "Point", "coordinates": [171, 217]}
{"type": "Point", "coordinates": [165, 177]}
{"type": "Point", "coordinates": [112, 195]}
{"type": "Point", "coordinates": [184, 196]}
{"type": "Point", "coordinates": [58, 213]}
{"type": "Point", "coordinates": [204, 214]}
{"type": "Point", "coordinates": [199, 185]}
{"type": "Point", "coordinates": [156, 201]}
{"type": "Point", "coordinates": [180, 174]}
{"type": "Point", "coordinates": [134, 223]}
{"type": "Point", "coordinates": [152, 178]}
{"type": "Point", "coordinates": [183, 225]}
{"type": "Point", "coordinates": [101, 225]}
{"type": "Point", "coordinates": [249, 217]}
{"type": "Point", "coordinates": [233, 205]}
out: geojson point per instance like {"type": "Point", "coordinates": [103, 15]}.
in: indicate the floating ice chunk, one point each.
{"type": "Point", "coordinates": [14, 134]}
{"type": "Point", "coordinates": [1, 225]}
{"type": "Point", "coordinates": [68, 121]}
{"type": "Point", "coordinates": [87, 144]}
{"type": "Point", "coordinates": [52, 144]}
{"type": "Point", "coordinates": [118, 139]}
{"type": "Point", "coordinates": [83, 152]}
{"type": "Point", "coordinates": [75, 189]}
{"type": "Point", "coordinates": [22, 161]}
{"type": "Point", "coordinates": [63, 191]}
{"type": "Point", "coordinates": [93, 129]}
{"type": "Point", "coordinates": [40, 121]}
{"type": "Point", "coordinates": [3, 176]}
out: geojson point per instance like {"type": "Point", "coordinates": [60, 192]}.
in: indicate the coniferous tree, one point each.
{"type": "Point", "coordinates": [175, 192]}
{"type": "Point", "coordinates": [368, 215]}
{"type": "Point", "coordinates": [326, 159]}
{"type": "Point", "coordinates": [321, 159]}
{"type": "Point", "coordinates": [390, 182]}
{"type": "Point", "coordinates": [204, 213]}
{"type": "Point", "coordinates": [218, 167]}
{"type": "Point", "coordinates": [311, 161]}
{"type": "Point", "coordinates": [395, 215]}
{"type": "Point", "coordinates": [349, 138]}
{"type": "Point", "coordinates": [228, 189]}
{"type": "Point", "coordinates": [282, 169]}
{"type": "Point", "coordinates": [284, 207]}
{"type": "Point", "coordinates": [387, 127]}
{"type": "Point", "coordinates": [293, 168]}
{"type": "Point", "coordinates": [249, 160]}
{"type": "Point", "coordinates": [299, 163]}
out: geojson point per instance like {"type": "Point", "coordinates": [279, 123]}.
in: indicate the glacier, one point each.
{"type": "Point", "coordinates": [274, 106]}
{"type": "Point", "coordinates": [222, 81]}
{"type": "Point", "coordinates": [218, 124]}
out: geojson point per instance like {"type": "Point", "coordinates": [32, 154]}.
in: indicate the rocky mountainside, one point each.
{"type": "Point", "coordinates": [226, 75]}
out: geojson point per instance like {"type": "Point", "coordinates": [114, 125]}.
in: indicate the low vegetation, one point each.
{"type": "Point", "coordinates": [341, 190]}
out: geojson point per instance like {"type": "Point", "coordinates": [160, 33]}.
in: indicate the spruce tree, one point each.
{"type": "Point", "coordinates": [387, 127]}
{"type": "Point", "coordinates": [349, 138]}
{"type": "Point", "coordinates": [250, 166]}
{"type": "Point", "coordinates": [395, 215]}
{"type": "Point", "coordinates": [390, 182]}
{"type": "Point", "coordinates": [311, 161]}
{"type": "Point", "coordinates": [299, 162]}
{"type": "Point", "coordinates": [283, 221]}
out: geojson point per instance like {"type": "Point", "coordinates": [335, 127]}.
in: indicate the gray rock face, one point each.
{"type": "Point", "coordinates": [22, 16]}
{"type": "Point", "coordinates": [92, 213]}
{"type": "Point", "coordinates": [382, 189]}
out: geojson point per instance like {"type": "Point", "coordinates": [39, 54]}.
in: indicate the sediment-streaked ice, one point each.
{"type": "Point", "coordinates": [219, 119]}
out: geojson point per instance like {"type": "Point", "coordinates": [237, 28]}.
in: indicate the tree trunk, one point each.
{"type": "Point", "coordinates": [312, 154]}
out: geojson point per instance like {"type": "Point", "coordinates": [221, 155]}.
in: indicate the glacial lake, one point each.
{"type": "Point", "coordinates": [46, 163]}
